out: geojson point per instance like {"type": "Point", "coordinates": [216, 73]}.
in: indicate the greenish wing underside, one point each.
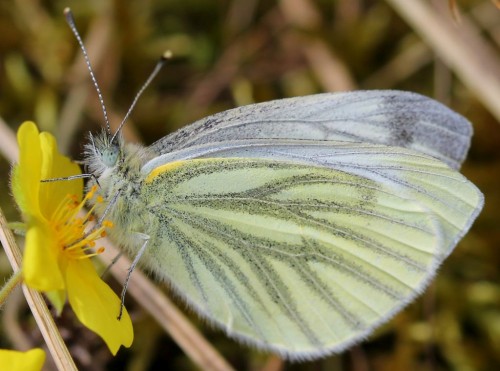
{"type": "Point", "coordinates": [300, 259]}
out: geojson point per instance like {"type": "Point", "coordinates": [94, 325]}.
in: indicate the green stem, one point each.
{"type": "Point", "coordinates": [10, 285]}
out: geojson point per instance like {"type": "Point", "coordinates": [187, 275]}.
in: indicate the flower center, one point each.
{"type": "Point", "coordinates": [71, 229]}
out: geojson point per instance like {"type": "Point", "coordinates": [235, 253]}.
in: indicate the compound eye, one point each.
{"type": "Point", "coordinates": [110, 156]}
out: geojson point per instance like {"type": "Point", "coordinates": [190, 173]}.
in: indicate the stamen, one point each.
{"type": "Point", "coordinates": [86, 256]}
{"type": "Point", "coordinates": [90, 194]}
{"type": "Point", "coordinates": [89, 216]}
{"type": "Point", "coordinates": [63, 207]}
{"type": "Point", "coordinates": [71, 229]}
{"type": "Point", "coordinates": [94, 235]}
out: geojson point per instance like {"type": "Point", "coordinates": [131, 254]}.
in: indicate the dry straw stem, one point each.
{"type": "Point", "coordinates": [459, 46]}
{"type": "Point", "coordinates": [43, 318]}
{"type": "Point", "coordinates": [141, 288]}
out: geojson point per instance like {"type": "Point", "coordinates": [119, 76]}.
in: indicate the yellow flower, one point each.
{"type": "Point", "coordinates": [32, 360]}
{"type": "Point", "coordinates": [56, 258]}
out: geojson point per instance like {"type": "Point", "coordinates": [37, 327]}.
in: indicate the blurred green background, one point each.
{"type": "Point", "coordinates": [235, 52]}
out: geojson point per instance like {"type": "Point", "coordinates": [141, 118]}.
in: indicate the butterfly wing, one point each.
{"type": "Point", "coordinates": [365, 160]}
{"type": "Point", "coordinates": [305, 257]}
{"type": "Point", "coordinates": [393, 118]}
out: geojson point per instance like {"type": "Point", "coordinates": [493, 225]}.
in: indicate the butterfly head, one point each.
{"type": "Point", "coordinates": [103, 152]}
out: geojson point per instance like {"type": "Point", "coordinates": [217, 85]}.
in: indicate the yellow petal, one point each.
{"type": "Point", "coordinates": [31, 360]}
{"type": "Point", "coordinates": [55, 165]}
{"type": "Point", "coordinates": [96, 305]}
{"type": "Point", "coordinates": [26, 175]}
{"type": "Point", "coordinates": [40, 265]}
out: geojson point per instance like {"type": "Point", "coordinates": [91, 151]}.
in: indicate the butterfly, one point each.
{"type": "Point", "coordinates": [297, 225]}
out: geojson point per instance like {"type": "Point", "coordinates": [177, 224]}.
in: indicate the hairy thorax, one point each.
{"type": "Point", "coordinates": [120, 187]}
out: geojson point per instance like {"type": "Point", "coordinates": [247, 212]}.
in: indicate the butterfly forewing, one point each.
{"type": "Point", "coordinates": [393, 118]}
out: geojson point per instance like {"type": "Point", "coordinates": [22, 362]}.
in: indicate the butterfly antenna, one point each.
{"type": "Point", "coordinates": [163, 60]}
{"type": "Point", "coordinates": [71, 22]}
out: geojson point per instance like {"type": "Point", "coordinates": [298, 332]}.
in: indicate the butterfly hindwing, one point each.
{"type": "Point", "coordinates": [305, 258]}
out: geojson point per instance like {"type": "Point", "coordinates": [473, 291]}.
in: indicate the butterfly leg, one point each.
{"type": "Point", "coordinates": [113, 262]}
{"type": "Point", "coordinates": [145, 238]}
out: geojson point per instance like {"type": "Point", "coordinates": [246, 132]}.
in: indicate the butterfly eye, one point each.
{"type": "Point", "coordinates": [110, 155]}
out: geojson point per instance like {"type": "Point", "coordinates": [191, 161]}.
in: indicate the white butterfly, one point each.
{"type": "Point", "coordinates": [296, 225]}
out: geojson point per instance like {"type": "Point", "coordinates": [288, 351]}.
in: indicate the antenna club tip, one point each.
{"type": "Point", "coordinates": [69, 15]}
{"type": "Point", "coordinates": [167, 55]}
